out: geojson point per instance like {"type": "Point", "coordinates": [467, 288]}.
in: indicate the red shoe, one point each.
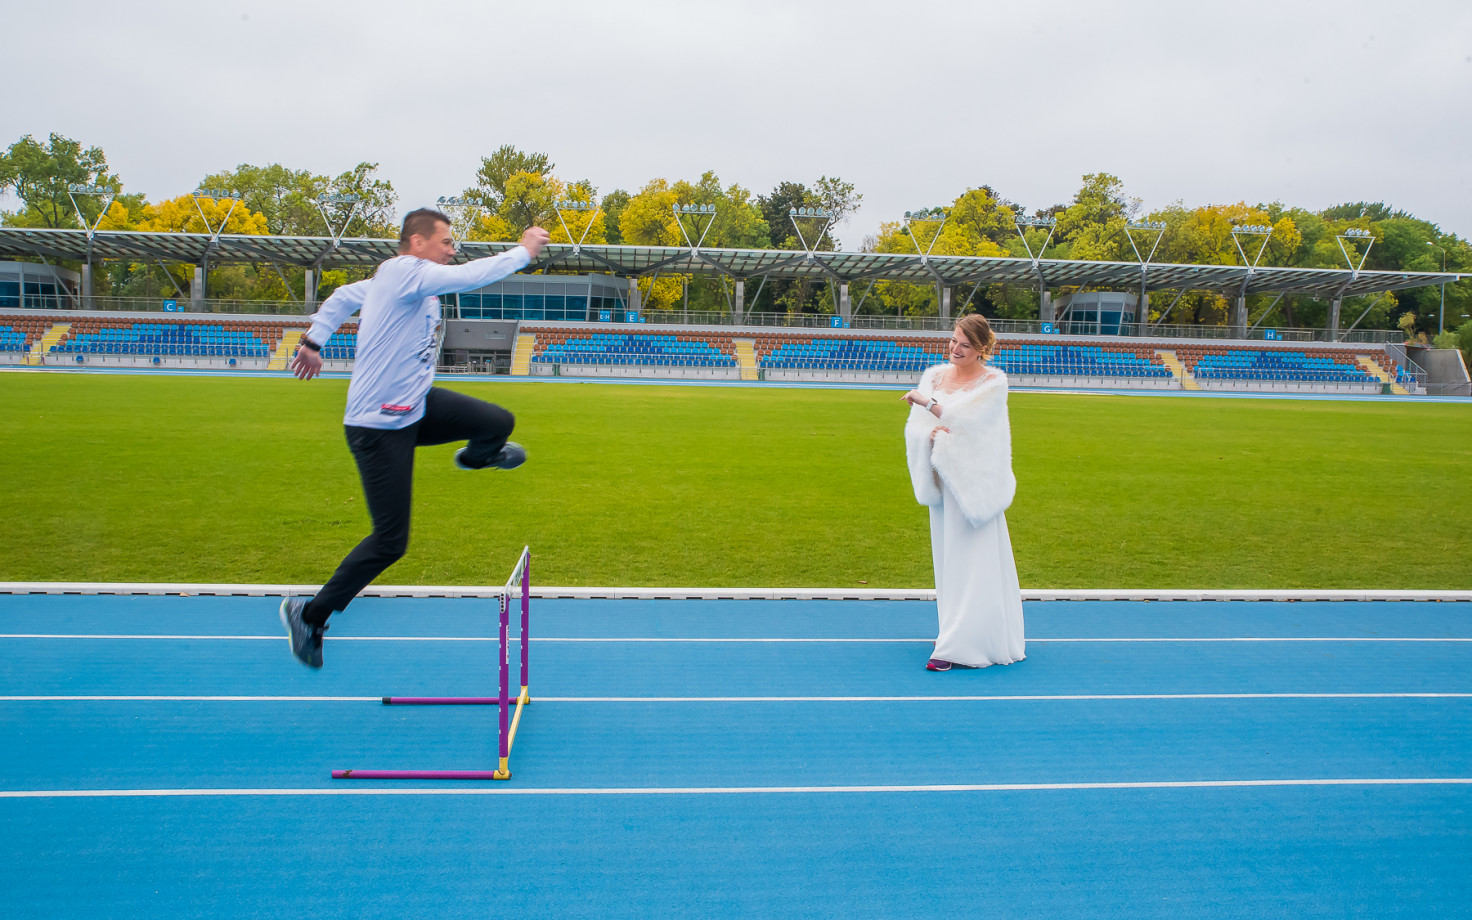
{"type": "Point", "coordinates": [936, 664]}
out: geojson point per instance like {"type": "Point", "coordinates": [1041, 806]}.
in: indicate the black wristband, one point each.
{"type": "Point", "coordinates": [308, 343]}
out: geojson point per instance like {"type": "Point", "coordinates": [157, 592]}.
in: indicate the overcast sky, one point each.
{"type": "Point", "coordinates": [1308, 103]}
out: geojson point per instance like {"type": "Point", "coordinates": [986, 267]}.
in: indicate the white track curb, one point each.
{"type": "Point", "coordinates": [835, 594]}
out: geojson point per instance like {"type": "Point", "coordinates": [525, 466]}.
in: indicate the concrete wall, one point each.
{"type": "Point", "coordinates": [1446, 372]}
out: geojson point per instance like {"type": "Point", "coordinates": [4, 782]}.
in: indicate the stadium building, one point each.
{"type": "Point", "coordinates": [576, 311]}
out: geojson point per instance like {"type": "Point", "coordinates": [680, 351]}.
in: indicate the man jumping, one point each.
{"type": "Point", "coordinates": [392, 407]}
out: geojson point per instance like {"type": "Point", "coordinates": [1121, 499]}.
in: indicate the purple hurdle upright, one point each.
{"type": "Point", "coordinates": [520, 581]}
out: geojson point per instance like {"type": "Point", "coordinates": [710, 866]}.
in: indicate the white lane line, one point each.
{"type": "Point", "coordinates": [160, 698]}
{"type": "Point", "coordinates": [1059, 697]}
{"type": "Point", "coordinates": [737, 593]}
{"type": "Point", "coordinates": [348, 789]}
{"type": "Point", "coordinates": [657, 639]}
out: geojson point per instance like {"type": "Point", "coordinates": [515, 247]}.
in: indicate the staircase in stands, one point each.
{"type": "Point", "coordinates": [1374, 369]}
{"type": "Point", "coordinates": [1169, 359]}
{"type": "Point", "coordinates": [285, 350]}
{"type": "Point", "coordinates": [746, 358]}
{"type": "Point", "coordinates": [45, 343]}
{"type": "Point", "coordinates": [521, 355]}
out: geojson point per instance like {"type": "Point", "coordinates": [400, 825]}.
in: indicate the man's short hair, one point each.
{"type": "Point", "coordinates": [421, 222]}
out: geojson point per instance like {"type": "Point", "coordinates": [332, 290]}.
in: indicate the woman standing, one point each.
{"type": "Point", "coordinates": [959, 447]}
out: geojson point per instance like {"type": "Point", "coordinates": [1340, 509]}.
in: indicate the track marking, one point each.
{"type": "Point", "coordinates": [662, 639]}
{"type": "Point", "coordinates": [1104, 697]}
{"type": "Point", "coordinates": [192, 589]}
{"type": "Point", "coordinates": [721, 790]}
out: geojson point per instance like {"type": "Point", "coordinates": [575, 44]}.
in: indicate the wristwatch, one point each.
{"type": "Point", "coordinates": [931, 405]}
{"type": "Point", "coordinates": [308, 343]}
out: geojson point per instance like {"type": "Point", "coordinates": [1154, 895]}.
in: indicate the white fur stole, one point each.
{"type": "Point", "coordinates": [973, 458]}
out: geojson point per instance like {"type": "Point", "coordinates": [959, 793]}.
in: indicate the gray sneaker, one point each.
{"type": "Point", "coordinates": [507, 458]}
{"type": "Point", "coordinates": [304, 638]}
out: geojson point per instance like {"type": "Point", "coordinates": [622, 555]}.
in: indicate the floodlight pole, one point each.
{"type": "Point", "coordinates": [1239, 308]}
{"type": "Point", "coordinates": [1045, 303]}
{"type": "Point", "coordinates": [313, 278]}
{"type": "Point", "coordinates": [456, 203]}
{"type": "Point", "coordinates": [72, 192]}
{"type": "Point", "coordinates": [560, 206]}
{"type": "Point", "coordinates": [324, 200]}
{"type": "Point", "coordinates": [447, 204]}
{"type": "Point", "coordinates": [1353, 233]}
{"type": "Point", "coordinates": [810, 214]}
{"type": "Point", "coordinates": [696, 212]}
{"type": "Point", "coordinates": [937, 216]}
{"type": "Point", "coordinates": [823, 220]}
{"type": "Point", "coordinates": [1142, 309]}
{"type": "Point", "coordinates": [214, 195]}
{"type": "Point", "coordinates": [202, 269]}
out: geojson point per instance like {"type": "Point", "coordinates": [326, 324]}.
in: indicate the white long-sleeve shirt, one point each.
{"type": "Point", "coordinates": [398, 331]}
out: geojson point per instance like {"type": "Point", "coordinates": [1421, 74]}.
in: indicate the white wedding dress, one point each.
{"type": "Point", "coordinates": [976, 589]}
{"type": "Point", "coordinates": [977, 592]}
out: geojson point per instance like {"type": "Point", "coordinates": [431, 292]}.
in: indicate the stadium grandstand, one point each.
{"type": "Point", "coordinates": [575, 312]}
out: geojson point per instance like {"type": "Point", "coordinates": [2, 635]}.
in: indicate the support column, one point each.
{"type": "Point", "coordinates": [845, 306]}
{"type": "Point", "coordinates": [1239, 318]}
{"type": "Point", "coordinates": [634, 305]}
{"type": "Point", "coordinates": [945, 301]}
{"type": "Point", "coordinates": [1334, 308]}
{"type": "Point", "coordinates": [1045, 307]}
{"type": "Point", "coordinates": [309, 291]}
{"type": "Point", "coordinates": [196, 290]}
{"type": "Point", "coordinates": [1142, 313]}
{"type": "Point", "coordinates": [739, 313]}
{"type": "Point", "coordinates": [86, 285]}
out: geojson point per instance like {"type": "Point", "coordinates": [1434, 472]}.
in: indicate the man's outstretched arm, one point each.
{"type": "Point", "coordinates": [342, 303]}
{"type": "Point", "coordinates": [431, 280]}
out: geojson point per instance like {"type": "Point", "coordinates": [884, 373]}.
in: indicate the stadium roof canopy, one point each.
{"type": "Point", "coordinates": [325, 252]}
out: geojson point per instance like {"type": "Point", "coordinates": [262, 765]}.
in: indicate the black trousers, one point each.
{"type": "Point", "coordinates": [386, 464]}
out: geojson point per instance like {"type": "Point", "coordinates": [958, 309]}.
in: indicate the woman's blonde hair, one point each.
{"type": "Point", "coordinates": [978, 332]}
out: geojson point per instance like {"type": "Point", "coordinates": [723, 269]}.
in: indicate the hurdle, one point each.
{"type": "Point", "coordinates": [520, 583]}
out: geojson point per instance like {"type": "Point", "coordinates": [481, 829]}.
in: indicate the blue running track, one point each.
{"type": "Point", "coordinates": [766, 759]}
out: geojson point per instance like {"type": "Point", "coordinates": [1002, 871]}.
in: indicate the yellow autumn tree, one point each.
{"type": "Point", "coordinates": [187, 214]}
{"type": "Point", "coordinates": [973, 223]}
{"type": "Point", "coordinates": [649, 220]}
{"type": "Point", "coordinates": [183, 215]}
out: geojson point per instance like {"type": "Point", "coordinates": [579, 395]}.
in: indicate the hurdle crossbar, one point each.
{"type": "Point", "coordinates": [519, 583]}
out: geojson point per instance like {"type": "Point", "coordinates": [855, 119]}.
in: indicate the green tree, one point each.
{"type": "Point", "coordinates": [649, 219]}
{"type": "Point", "coordinates": [1093, 226]}
{"type": "Point", "coordinates": [529, 200]}
{"type": "Point", "coordinates": [613, 208]}
{"type": "Point", "coordinates": [587, 226]}
{"type": "Point", "coordinates": [838, 198]}
{"type": "Point", "coordinates": [376, 214]}
{"type": "Point", "coordinates": [802, 296]}
{"type": "Point", "coordinates": [288, 199]}
{"type": "Point", "coordinates": [737, 224]}
{"type": "Point", "coordinates": [1464, 342]}
{"type": "Point", "coordinates": [776, 210]}
{"type": "Point", "coordinates": [496, 171]}
{"type": "Point", "coordinates": [41, 174]}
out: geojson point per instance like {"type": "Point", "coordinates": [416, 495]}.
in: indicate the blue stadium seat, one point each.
{"type": "Point", "coordinates": [1279, 367]}
{"type": "Point", "coordinates": [636, 348]}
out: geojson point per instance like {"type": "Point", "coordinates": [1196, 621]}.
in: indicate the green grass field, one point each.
{"type": "Point", "coordinates": [213, 479]}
